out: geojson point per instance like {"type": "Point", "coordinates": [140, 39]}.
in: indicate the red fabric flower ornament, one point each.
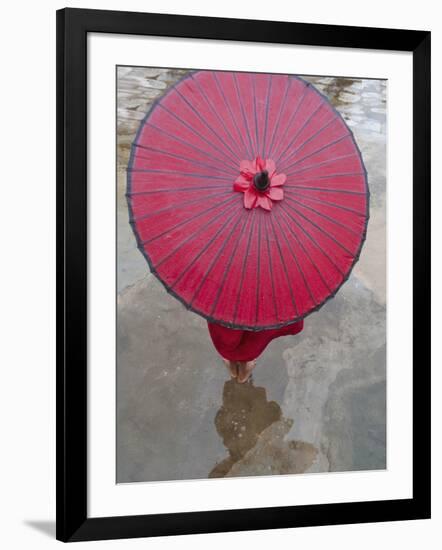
{"type": "Point", "coordinates": [260, 183]}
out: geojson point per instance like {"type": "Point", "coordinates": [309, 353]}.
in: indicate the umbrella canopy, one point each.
{"type": "Point", "coordinates": [248, 197]}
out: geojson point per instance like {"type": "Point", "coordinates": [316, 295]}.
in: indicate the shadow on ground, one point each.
{"type": "Point", "coordinates": [46, 527]}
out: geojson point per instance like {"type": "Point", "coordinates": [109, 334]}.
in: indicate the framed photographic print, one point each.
{"type": "Point", "coordinates": [243, 274]}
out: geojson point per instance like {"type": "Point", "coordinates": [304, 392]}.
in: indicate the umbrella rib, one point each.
{"type": "Point", "coordinates": [281, 108]}
{"type": "Point", "coordinates": [327, 203]}
{"type": "Point", "coordinates": [285, 267]}
{"type": "Point", "coordinates": [175, 190]}
{"type": "Point", "coordinates": [194, 131]}
{"type": "Point", "coordinates": [322, 215]}
{"type": "Point", "coordinates": [190, 238]}
{"type": "Point", "coordinates": [323, 163]}
{"type": "Point", "coordinates": [313, 240]}
{"type": "Point", "coordinates": [209, 103]}
{"type": "Point", "coordinates": [209, 126]}
{"type": "Point", "coordinates": [177, 206]}
{"type": "Point", "coordinates": [294, 113]}
{"type": "Point", "coordinates": [215, 259]}
{"type": "Point", "coordinates": [243, 113]}
{"type": "Point", "coordinates": [328, 189]}
{"type": "Point", "coordinates": [179, 172]}
{"type": "Point", "coordinates": [295, 137]}
{"type": "Point", "coordinates": [307, 253]}
{"type": "Point", "coordinates": [258, 276]}
{"type": "Point", "coordinates": [271, 273]}
{"type": "Point", "coordinates": [269, 88]}
{"type": "Point", "coordinates": [328, 176]}
{"type": "Point", "coordinates": [308, 140]}
{"type": "Point", "coordinates": [322, 230]}
{"type": "Point", "coordinates": [227, 268]}
{"type": "Point", "coordinates": [231, 114]}
{"type": "Point", "coordinates": [323, 148]}
{"type": "Point", "coordinates": [179, 157]}
{"type": "Point", "coordinates": [187, 220]}
{"type": "Point", "coordinates": [298, 265]}
{"type": "Point", "coordinates": [201, 252]}
{"type": "Point", "coordinates": [171, 136]}
{"type": "Point", "coordinates": [254, 111]}
{"type": "Point", "coordinates": [246, 255]}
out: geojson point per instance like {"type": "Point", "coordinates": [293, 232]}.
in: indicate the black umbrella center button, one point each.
{"type": "Point", "coordinates": [261, 181]}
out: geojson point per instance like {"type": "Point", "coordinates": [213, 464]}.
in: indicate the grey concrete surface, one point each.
{"type": "Point", "coordinates": [316, 401]}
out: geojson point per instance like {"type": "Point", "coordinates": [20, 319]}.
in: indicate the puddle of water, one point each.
{"type": "Point", "coordinates": [340, 91]}
{"type": "Point", "coordinates": [244, 414]}
{"type": "Point", "coordinates": [253, 431]}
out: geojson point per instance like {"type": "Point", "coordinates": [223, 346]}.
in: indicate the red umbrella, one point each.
{"type": "Point", "coordinates": [248, 197]}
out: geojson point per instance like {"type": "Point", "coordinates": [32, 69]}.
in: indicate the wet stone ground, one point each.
{"type": "Point", "coordinates": [316, 401]}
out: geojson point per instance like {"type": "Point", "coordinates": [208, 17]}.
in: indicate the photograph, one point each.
{"type": "Point", "coordinates": [251, 274]}
{"type": "Point", "coordinates": [220, 237]}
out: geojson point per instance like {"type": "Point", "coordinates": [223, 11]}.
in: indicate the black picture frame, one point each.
{"type": "Point", "coordinates": [73, 25]}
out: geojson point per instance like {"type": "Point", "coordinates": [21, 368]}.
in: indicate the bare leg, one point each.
{"type": "Point", "coordinates": [245, 370]}
{"type": "Point", "coordinates": [232, 367]}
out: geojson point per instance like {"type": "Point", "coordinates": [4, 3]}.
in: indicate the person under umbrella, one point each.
{"type": "Point", "coordinates": [249, 199]}
{"type": "Point", "coordinates": [241, 348]}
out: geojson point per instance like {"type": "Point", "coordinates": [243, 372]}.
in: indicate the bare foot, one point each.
{"type": "Point", "coordinates": [231, 367]}
{"type": "Point", "coordinates": [245, 370]}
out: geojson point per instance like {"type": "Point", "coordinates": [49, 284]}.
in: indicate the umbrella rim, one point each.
{"type": "Point", "coordinates": [140, 247]}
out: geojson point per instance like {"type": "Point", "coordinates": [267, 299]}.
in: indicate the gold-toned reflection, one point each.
{"type": "Point", "coordinates": [253, 431]}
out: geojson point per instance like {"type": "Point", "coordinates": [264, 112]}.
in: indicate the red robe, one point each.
{"type": "Point", "coordinates": [246, 345]}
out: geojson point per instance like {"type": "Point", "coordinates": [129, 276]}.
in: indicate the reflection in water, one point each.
{"type": "Point", "coordinates": [339, 90]}
{"type": "Point", "coordinates": [244, 414]}
{"type": "Point", "coordinates": [253, 430]}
